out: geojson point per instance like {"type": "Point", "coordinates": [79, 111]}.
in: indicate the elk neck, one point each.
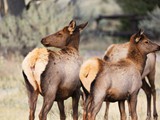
{"type": "Point", "coordinates": [137, 57]}
{"type": "Point", "coordinates": [74, 41]}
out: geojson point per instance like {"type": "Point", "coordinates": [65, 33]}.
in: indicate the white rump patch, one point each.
{"type": "Point", "coordinates": [34, 64]}
{"type": "Point", "coordinates": [89, 71]}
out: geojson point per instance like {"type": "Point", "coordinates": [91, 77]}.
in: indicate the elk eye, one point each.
{"type": "Point", "coordinates": [59, 34]}
{"type": "Point", "coordinates": [146, 42]}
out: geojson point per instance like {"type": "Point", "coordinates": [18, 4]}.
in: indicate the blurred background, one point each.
{"type": "Point", "coordinates": [24, 22]}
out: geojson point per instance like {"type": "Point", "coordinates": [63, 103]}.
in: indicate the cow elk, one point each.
{"type": "Point", "coordinates": [116, 52]}
{"type": "Point", "coordinates": [116, 81]}
{"type": "Point", "coordinates": [54, 74]}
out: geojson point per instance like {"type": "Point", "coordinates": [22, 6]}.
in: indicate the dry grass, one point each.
{"type": "Point", "coordinates": [13, 97]}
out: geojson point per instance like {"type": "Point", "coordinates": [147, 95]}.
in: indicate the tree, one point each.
{"type": "Point", "coordinates": [152, 24]}
{"type": "Point", "coordinates": [14, 7]}
{"type": "Point", "coordinates": [138, 7]}
{"type": "Point", "coordinates": [22, 33]}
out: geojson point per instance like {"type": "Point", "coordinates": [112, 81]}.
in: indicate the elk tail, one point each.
{"type": "Point", "coordinates": [33, 66]}
{"type": "Point", "coordinates": [89, 71]}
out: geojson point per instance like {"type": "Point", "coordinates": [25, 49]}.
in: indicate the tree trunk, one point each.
{"type": "Point", "coordinates": [3, 7]}
{"type": "Point", "coordinates": [16, 7]}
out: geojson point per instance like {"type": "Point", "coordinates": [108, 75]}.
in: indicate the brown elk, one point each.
{"type": "Point", "coordinates": [116, 81]}
{"type": "Point", "coordinates": [115, 52]}
{"type": "Point", "coordinates": [55, 74]}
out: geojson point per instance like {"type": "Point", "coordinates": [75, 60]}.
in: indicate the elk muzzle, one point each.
{"type": "Point", "coordinates": [44, 42]}
{"type": "Point", "coordinates": [158, 48]}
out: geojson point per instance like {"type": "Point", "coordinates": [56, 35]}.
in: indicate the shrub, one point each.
{"type": "Point", "coordinates": [24, 32]}
{"type": "Point", "coordinates": [152, 24]}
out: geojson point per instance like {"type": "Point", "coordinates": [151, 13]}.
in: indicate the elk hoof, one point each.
{"type": "Point", "coordinates": [155, 116]}
{"type": "Point", "coordinates": [148, 118]}
{"type": "Point", "coordinates": [129, 117]}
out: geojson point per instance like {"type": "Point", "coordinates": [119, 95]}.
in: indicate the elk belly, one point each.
{"type": "Point", "coordinates": [114, 94]}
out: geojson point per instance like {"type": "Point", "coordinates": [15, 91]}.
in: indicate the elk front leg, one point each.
{"type": "Point", "coordinates": [129, 108]}
{"type": "Point", "coordinates": [147, 90]}
{"type": "Point", "coordinates": [133, 105]}
{"type": "Point", "coordinates": [106, 111]}
{"type": "Point", "coordinates": [61, 109]}
{"type": "Point", "coordinates": [121, 105]}
{"type": "Point", "coordinates": [48, 100]}
{"type": "Point", "coordinates": [151, 78]}
{"type": "Point", "coordinates": [75, 101]}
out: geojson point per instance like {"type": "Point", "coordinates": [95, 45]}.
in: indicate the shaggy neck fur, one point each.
{"type": "Point", "coordinates": [74, 41]}
{"type": "Point", "coordinates": [138, 57]}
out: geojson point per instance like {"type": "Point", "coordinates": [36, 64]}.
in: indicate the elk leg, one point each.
{"type": "Point", "coordinates": [32, 97]}
{"type": "Point", "coordinates": [85, 101]}
{"type": "Point", "coordinates": [75, 101]}
{"type": "Point", "coordinates": [129, 108]}
{"type": "Point", "coordinates": [121, 105]}
{"type": "Point", "coordinates": [151, 78]}
{"type": "Point", "coordinates": [147, 91]}
{"type": "Point", "coordinates": [96, 103]}
{"type": "Point", "coordinates": [61, 109]}
{"type": "Point", "coordinates": [133, 104]}
{"type": "Point", "coordinates": [84, 114]}
{"type": "Point", "coordinates": [106, 111]}
{"type": "Point", "coordinates": [32, 103]}
{"type": "Point", "coordinates": [48, 100]}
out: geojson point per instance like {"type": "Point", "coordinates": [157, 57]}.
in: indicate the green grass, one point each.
{"type": "Point", "coordinates": [13, 97]}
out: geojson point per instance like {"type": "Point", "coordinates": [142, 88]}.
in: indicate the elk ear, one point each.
{"type": "Point", "coordinates": [138, 35]}
{"type": "Point", "coordinates": [82, 26]}
{"type": "Point", "coordinates": [140, 32]}
{"type": "Point", "coordinates": [72, 26]}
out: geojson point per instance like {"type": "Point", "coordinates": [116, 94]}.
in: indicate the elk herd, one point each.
{"type": "Point", "coordinates": [116, 77]}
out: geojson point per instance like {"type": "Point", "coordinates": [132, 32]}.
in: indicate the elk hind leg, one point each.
{"type": "Point", "coordinates": [32, 97]}
{"type": "Point", "coordinates": [96, 103]}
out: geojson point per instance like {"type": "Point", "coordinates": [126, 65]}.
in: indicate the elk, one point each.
{"type": "Point", "coordinates": [116, 81]}
{"type": "Point", "coordinates": [54, 74]}
{"type": "Point", "coordinates": [115, 52]}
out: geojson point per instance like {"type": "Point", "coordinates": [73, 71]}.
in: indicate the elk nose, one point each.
{"type": "Point", "coordinates": [43, 41]}
{"type": "Point", "coordinates": [159, 48]}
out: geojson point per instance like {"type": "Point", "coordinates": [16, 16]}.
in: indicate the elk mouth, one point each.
{"type": "Point", "coordinates": [46, 44]}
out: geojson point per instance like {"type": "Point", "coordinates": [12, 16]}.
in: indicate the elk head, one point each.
{"type": "Point", "coordinates": [143, 43]}
{"type": "Point", "coordinates": [68, 36]}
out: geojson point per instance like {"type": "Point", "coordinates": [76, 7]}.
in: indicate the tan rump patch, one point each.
{"type": "Point", "coordinates": [89, 71]}
{"type": "Point", "coordinates": [34, 64]}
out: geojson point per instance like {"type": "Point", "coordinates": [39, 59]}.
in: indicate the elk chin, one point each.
{"type": "Point", "coordinates": [46, 45]}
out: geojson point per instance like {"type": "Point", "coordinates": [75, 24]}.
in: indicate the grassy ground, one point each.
{"type": "Point", "coordinates": [13, 97]}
